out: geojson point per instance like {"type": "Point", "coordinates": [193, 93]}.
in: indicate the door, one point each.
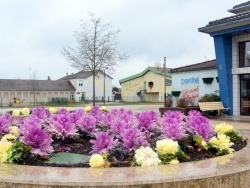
{"type": "Point", "coordinates": [245, 94]}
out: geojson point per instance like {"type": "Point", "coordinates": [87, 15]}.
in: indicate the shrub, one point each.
{"type": "Point", "coordinates": [212, 97]}
{"type": "Point", "coordinates": [184, 102]}
{"type": "Point", "coordinates": [169, 102]}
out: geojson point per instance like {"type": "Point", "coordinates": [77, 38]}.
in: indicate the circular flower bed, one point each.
{"type": "Point", "coordinates": [109, 138]}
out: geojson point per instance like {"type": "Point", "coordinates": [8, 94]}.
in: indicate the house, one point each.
{"type": "Point", "coordinates": [195, 80]}
{"type": "Point", "coordinates": [232, 49]}
{"type": "Point", "coordinates": [24, 91]}
{"type": "Point", "coordinates": [147, 85]}
{"type": "Point", "coordinates": [83, 84]}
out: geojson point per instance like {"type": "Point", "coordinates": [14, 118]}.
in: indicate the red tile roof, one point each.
{"type": "Point", "coordinates": [198, 66]}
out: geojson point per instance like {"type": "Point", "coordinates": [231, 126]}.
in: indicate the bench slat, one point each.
{"type": "Point", "coordinates": [209, 106]}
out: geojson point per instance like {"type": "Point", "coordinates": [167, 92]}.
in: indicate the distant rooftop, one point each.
{"type": "Point", "coordinates": [239, 20]}
{"type": "Point", "coordinates": [156, 70]}
{"type": "Point", "coordinates": [43, 85]}
{"type": "Point", "coordinates": [231, 19]}
{"type": "Point", "coordinates": [198, 66]}
{"type": "Point", "coordinates": [79, 75]}
{"type": "Point", "coordinates": [243, 7]}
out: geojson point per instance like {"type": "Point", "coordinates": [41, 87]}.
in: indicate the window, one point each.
{"type": "Point", "coordinates": [168, 82]}
{"type": "Point", "coordinates": [244, 54]}
{"type": "Point", "coordinates": [80, 84]}
{"type": "Point", "coordinates": [71, 96]}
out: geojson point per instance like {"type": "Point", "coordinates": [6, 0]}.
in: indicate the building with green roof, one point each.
{"type": "Point", "coordinates": [147, 85]}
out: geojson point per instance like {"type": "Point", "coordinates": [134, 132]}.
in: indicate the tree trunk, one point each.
{"type": "Point", "coordinates": [34, 99]}
{"type": "Point", "coordinates": [93, 89]}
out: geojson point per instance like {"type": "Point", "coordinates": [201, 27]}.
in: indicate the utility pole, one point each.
{"type": "Point", "coordinates": [165, 71]}
{"type": "Point", "coordinates": [104, 87]}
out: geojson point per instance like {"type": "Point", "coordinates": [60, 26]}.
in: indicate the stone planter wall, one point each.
{"type": "Point", "coordinates": [184, 110]}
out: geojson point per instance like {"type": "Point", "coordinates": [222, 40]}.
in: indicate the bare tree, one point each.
{"type": "Point", "coordinates": [33, 84]}
{"type": "Point", "coordinates": [96, 49]}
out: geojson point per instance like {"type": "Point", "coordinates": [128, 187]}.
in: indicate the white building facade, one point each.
{"type": "Point", "coordinates": [194, 81]}
{"type": "Point", "coordinates": [83, 83]}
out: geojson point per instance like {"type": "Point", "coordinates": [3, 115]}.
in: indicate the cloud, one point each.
{"type": "Point", "coordinates": [33, 33]}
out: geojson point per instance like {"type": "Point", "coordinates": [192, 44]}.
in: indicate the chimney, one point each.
{"type": "Point", "coordinates": [49, 78]}
{"type": "Point", "coordinates": [66, 74]}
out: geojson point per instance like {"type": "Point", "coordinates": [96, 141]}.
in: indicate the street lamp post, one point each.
{"type": "Point", "coordinates": [164, 81]}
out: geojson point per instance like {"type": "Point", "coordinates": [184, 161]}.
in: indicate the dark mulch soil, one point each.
{"type": "Point", "coordinates": [83, 146]}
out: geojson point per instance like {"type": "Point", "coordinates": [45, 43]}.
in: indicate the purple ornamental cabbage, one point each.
{"type": "Point", "coordinates": [40, 113]}
{"type": "Point", "coordinates": [37, 138]}
{"type": "Point", "coordinates": [172, 125]}
{"type": "Point", "coordinates": [103, 143]}
{"type": "Point", "coordinates": [5, 124]}
{"type": "Point", "coordinates": [107, 119]}
{"type": "Point", "coordinates": [87, 123]}
{"type": "Point", "coordinates": [62, 111]}
{"type": "Point", "coordinates": [76, 115]}
{"type": "Point", "coordinates": [96, 112]}
{"type": "Point", "coordinates": [154, 115]}
{"type": "Point", "coordinates": [145, 121]}
{"type": "Point", "coordinates": [199, 125]}
{"type": "Point", "coordinates": [61, 126]}
{"type": "Point", "coordinates": [29, 122]}
{"type": "Point", "coordinates": [118, 127]}
{"type": "Point", "coordinates": [194, 113]}
{"type": "Point", "coordinates": [172, 131]}
{"type": "Point", "coordinates": [173, 116]}
{"type": "Point", "coordinates": [133, 139]}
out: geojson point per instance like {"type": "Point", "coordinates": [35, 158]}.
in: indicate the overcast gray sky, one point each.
{"type": "Point", "coordinates": [33, 33]}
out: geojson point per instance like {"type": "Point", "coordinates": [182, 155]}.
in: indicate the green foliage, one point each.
{"type": "Point", "coordinates": [168, 157]}
{"type": "Point", "coordinates": [212, 97]}
{"type": "Point", "coordinates": [234, 136]}
{"type": "Point", "coordinates": [19, 151]}
{"type": "Point", "coordinates": [198, 140]}
{"type": "Point", "coordinates": [182, 154]}
{"type": "Point", "coordinates": [219, 151]}
{"type": "Point", "coordinates": [9, 112]}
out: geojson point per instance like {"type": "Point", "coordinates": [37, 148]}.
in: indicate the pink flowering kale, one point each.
{"type": "Point", "coordinates": [194, 113]}
{"type": "Point", "coordinates": [87, 123]}
{"type": "Point", "coordinates": [76, 115]}
{"type": "Point", "coordinates": [103, 143]}
{"type": "Point", "coordinates": [118, 127]}
{"type": "Point", "coordinates": [173, 116]}
{"type": "Point", "coordinates": [133, 139]}
{"type": "Point", "coordinates": [199, 125]}
{"type": "Point", "coordinates": [61, 126]}
{"type": "Point", "coordinates": [172, 131]}
{"type": "Point", "coordinates": [146, 120]}
{"type": "Point", "coordinates": [40, 113]}
{"type": "Point", "coordinates": [96, 112]}
{"type": "Point", "coordinates": [32, 121]}
{"type": "Point", "coordinates": [33, 135]}
{"type": "Point", "coordinates": [106, 119]}
{"type": "Point", "coordinates": [5, 124]}
{"type": "Point", "coordinates": [172, 125]}
{"type": "Point", "coordinates": [62, 111]}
